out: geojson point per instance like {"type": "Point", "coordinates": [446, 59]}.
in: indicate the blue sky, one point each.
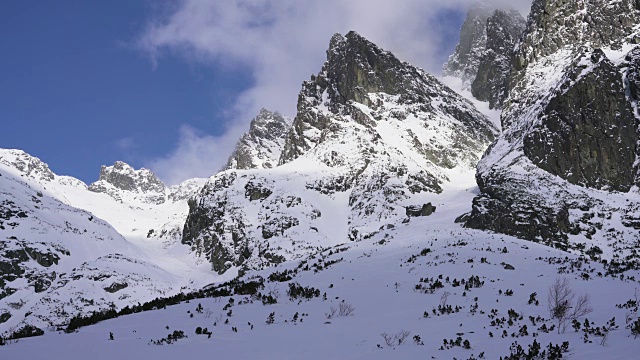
{"type": "Point", "coordinates": [171, 85]}
{"type": "Point", "coordinates": [76, 93]}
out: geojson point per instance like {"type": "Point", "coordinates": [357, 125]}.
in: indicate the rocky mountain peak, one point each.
{"type": "Point", "coordinates": [372, 138]}
{"type": "Point", "coordinates": [28, 165]}
{"type": "Point", "coordinates": [355, 71]}
{"type": "Point", "coordinates": [491, 82]}
{"type": "Point", "coordinates": [356, 67]}
{"type": "Point", "coordinates": [123, 177]}
{"type": "Point", "coordinates": [553, 25]}
{"type": "Point", "coordinates": [465, 60]}
{"type": "Point", "coordinates": [261, 146]}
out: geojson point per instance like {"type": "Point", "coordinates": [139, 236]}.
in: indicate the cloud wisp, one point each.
{"type": "Point", "coordinates": [281, 43]}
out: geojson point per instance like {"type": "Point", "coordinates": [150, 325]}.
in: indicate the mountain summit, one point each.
{"type": "Point", "coordinates": [373, 136]}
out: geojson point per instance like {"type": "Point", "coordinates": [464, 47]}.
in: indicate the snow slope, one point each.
{"type": "Point", "coordinates": [379, 280]}
{"type": "Point", "coordinates": [67, 250]}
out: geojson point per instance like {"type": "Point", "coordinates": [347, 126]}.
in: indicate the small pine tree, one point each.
{"type": "Point", "coordinates": [271, 318]}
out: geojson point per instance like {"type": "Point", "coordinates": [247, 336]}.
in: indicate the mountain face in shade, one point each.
{"type": "Point", "coordinates": [491, 82]}
{"type": "Point", "coordinates": [372, 136]}
{"type": "Point", "coordinates": [569, 147]}
{"type": "Point", "coordinates": [484, 55]}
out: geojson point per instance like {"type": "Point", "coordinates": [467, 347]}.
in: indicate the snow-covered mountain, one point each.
{"type": "Point", "coordinates": [482, 58]}
{"type": "Point", "coordinates": [261, 146]}
{"type": "Point", "coordinates": [389, 218]}
{"type": "Point", "coordinates": [565, 169]}
{"type": "Point", "coordinates": [68, 250]}
{"type": "Point", "coordinates": [373, 138]}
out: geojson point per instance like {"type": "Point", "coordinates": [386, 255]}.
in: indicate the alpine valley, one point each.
{"type": "Point", "coordinates": [391, 217]}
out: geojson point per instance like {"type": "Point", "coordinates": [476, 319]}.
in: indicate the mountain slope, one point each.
{"type": "Point", "coordinates": [373, 137]}
{"type": "Point", "coordinates": [565, 169]}
{"type": "Point", "coordinates": [59, 257]}
{"type": "Point", "coordinates": [386, 286]}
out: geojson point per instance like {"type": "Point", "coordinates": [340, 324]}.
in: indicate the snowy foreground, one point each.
{"type": "Point", "coordinates": [378, 278]}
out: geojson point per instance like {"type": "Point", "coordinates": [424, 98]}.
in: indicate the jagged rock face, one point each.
{"type": "Point", "coordinates": [554, 24]}
{"type": "Point", "coordinates": [589, 134]}
{"type": "Point", "coordinates": [570, 132]}
{"type": "Point", "coordinates": [27, 164]}
{"type": "Point", "coordinates": [356, 68]}
{"type": "Point", "coordinates": [466, 59]}
{"type": "Point", "coordinates": [261, 146]}
{"type": "Point", "coordinates": [371, 134]}
{"type": "Point", "coordinates": [491, 82]}
{"type": "Point", "coordinates": [122, 177]}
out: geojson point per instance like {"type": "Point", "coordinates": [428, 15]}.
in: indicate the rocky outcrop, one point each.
{"type": "Point", "coordinates": [465, 61]}
{"type": "Point", "coordinates": [261, 146]}
{"type": "Point", "coordinates": [588, 136]}
{"type": "Point", "coordinates": [554, 25]}
{"type": "Point", "coordinates": [491, 81]}
{"type": "Point", "coordinates": [121, 177]}
{"type": "Point", "coordinates": [570, 131]}
{"type": "Point", "coordinates": [28, 165]}
{"type": "Point", "coordinates": [417, 211]}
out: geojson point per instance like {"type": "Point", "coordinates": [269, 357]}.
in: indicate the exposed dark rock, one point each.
{"type": "Point", "coordinates": [466, 59]}
{"type": "Point", "coordinates": [277, 226]}
{"type": "Point", "coordinates": [491, 82]}
{"type": "Point", "coordinates": [553, 25]}
{"type": "Point", "coordinates": [256, 191]}
{"type": "Point", "coordinates": [578, 128]}
{"type": "Point", "coordinates": [115, 287]}
{"type": "Point", "coordinates": [417, 210]}
{"type": "Point", "coordinates": [4, 317]}
{"type": "Point", "coordinates": [261, 146]}
{"type": "Point", "coordinates": [588, 136]}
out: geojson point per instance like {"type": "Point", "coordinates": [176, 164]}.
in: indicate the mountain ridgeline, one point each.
{"type": "Point", "coordinates": [372, 136]}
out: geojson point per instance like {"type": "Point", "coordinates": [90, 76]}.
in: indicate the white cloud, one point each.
{"type": "Point", "coordinates": [281, 43]}
{"type": "Point", "coordinates": [196, 155]}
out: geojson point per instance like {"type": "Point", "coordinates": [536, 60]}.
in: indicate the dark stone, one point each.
{"type": "Point", "coordinates": [417, 210]}
{"type": "Point", "coordinates": [256, 191]}
{"type": "Point", "coordinates": [116, 286]}
{"type": "Point", "coordinates": [277, 226]}
{"type": "Point", "coordinates": [267, 130]}
{"type": "Point", "coordinates": [4, 317]}
{"type": "Point", "coordinates": [491, 82]}
{"type": "Point", "coordinates": [588, 135]}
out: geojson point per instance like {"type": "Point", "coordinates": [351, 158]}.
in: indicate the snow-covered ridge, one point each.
{"type": "Point", "coordinates": [372, 136]}
{"type": "Point", "coordinates": [60, 241]}
{"type": "Point", "coordinates": [261, 146]}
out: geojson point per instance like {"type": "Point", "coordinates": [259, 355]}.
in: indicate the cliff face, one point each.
{"type": "Point", "coordinates": [262, 145]}
{"type": "Point", "coordinates": [491, 82]}
{"type": "Point", "coordinates": [484, 55]}
{"type": "Point", "coordinates": [569, 146]}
